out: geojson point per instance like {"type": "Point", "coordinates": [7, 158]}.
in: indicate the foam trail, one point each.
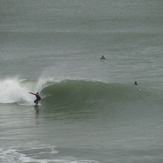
{"type": "Point", "coordinates": [24, 156]}
{"type": "Point", "coordinates": [12, 91]}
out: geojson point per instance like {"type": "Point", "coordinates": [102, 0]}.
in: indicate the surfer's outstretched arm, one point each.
{"type": "Point", "coordinates": [32, 93]}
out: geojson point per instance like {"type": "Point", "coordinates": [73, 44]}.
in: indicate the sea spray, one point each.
{"type": "Point", "coordinates": [12, 91]}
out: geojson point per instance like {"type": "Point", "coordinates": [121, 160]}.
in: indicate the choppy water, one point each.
{"type": "Point", "coordinates": [91, 110]}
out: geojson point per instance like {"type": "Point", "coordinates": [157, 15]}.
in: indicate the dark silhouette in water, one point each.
{"type": "Point", "coordinates": [38, 98]}
{"type": "Point", "coordinates": [135, 83]}
{"type": "Point", "coordinates": [102, 58]}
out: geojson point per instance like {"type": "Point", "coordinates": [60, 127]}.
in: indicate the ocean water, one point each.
{"type": "Point", "coordinates": [91, 110]}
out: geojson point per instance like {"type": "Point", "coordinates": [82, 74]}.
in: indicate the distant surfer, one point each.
{"type": "Point", "coordinates": [136, 83]}
{"type": "Point", "coordinates": [102, 58]}
{"type": "Point", "coordinates": [38, 98]}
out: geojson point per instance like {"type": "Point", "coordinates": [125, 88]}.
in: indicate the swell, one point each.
{"type": "Point", "coordinates": [71, 92]}
{"type": "Point", "coordinates": [81, 91]}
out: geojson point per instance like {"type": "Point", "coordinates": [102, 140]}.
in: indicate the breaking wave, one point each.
{"type": "Point", "coordinates": [83, 91]}
{"type": "Point", "coordinates": [67, 91]}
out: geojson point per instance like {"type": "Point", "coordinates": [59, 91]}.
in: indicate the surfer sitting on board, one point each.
{"type": "Point", "coordinates": [102, 58]}
{"type": "Point", "coordinates": [38, 98]}
{"type": "Point", "coordinates": [136, 83]}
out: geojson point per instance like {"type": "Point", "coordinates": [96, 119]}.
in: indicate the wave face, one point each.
{"type": "Point", "coordinates": [69, 92]}
{"type": "Point", "coordinates": [77, 92]}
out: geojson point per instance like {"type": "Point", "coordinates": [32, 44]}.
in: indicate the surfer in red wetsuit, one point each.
{"type": "Point", "coordinates": [38, 98]}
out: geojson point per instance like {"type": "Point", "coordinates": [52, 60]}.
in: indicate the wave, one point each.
{"type": "Point", "coordinates": [82, 91]}
{"type": "Point", "coordinates": [69, 92]}
{"type": "Point", "coordinates": [35, 154]}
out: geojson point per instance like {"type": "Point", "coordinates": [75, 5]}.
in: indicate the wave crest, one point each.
{"type": "Point", "coordinates": [66, 91]}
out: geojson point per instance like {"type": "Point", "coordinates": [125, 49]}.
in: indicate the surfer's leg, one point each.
{"type": "Point", "coordinates": [36, 101]}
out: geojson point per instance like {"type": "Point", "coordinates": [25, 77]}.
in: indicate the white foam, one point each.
{"type": "Point", "coordinates": [22, 156]}
{"type": "Point", "coordinates": [12, 91]}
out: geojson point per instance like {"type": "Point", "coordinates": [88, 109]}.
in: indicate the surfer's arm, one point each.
{"type": "Point", "coordinates": [32, 93]}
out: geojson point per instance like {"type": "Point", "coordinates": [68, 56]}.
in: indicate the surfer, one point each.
{"type": "Point", "coordinates": [38, 98]}
{"type": "Point", "coordinates": [102, 58]}
{"type": "Point", "coordinates": [136, 83]}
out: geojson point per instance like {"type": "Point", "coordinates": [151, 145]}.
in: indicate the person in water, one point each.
{"type": "Point", "coordinates": [136, 83]}
{"type": "Point", "coordinates": [38, 98]}
{"type": "Point", "coordinates": [102, 58]}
